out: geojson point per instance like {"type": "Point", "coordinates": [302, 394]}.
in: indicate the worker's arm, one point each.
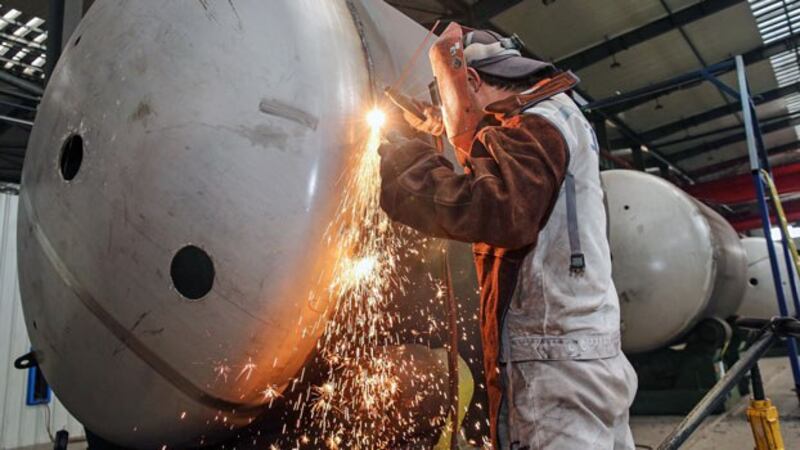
{"type": "Point", "coordinates": [516, 173]}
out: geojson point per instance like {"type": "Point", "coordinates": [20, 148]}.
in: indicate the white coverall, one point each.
{"type": "Point", "coordinates": [570, 385]}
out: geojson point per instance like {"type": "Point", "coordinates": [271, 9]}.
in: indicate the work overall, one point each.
{"type": "Point", "coordinates": [566, 383]}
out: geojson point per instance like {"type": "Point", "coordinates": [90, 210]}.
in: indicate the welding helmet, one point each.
{"type": "Point", "coordinates": [487, 52]}
{"type": "Point", "coordinates": [460, 114]}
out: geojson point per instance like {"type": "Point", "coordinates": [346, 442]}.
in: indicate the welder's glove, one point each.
{"type": "Point", "coordinates": [432, 124]}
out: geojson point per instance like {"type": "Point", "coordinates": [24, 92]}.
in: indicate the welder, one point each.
{"type": "Point", "coordinates": [531, 202]}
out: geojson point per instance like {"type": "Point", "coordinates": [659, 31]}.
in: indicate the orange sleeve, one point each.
{"type": "Point", "coordinates": [516, 173]}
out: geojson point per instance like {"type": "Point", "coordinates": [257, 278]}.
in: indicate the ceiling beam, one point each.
{"type": "Point", "coordinates": [725, 98]}
{"type": "Point", "coordinates": [632, 99]}
{"type": "Point", "coordinates": [724, 130]}
{"type": "Point", "coordinates": [706, 147]}
{"type": "Point", "coordinates": [662, 131]}
{"type": "Point", "coordinates": [624, 41]}
{"type": "Point", "coordinates": [623, 127]}
{"type": "Point", "coordinates": [19, 83]}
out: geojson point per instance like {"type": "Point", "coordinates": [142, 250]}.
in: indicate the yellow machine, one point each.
{"type": "Point", "coordinates": [763, 418]}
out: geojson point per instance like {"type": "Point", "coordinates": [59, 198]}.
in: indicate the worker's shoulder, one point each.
{"type": "Point", "coordinates": [558, 105]}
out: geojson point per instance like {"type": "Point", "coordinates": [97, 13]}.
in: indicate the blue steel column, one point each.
{"type": "Point", "coordinates": [753, 134]}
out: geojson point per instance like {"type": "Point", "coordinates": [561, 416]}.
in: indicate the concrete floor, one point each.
{"type": "Point", "coordinates": [731, 430]}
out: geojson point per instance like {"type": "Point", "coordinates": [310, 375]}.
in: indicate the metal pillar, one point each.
{"type": "Point", "coordinates": [663, 170]}
{"type": "Point", "coordinates": [638, 156]}
{"type": "Point", "coordinates": [758, 161]}
{"type": "Point", "coordinates": [19, 83]}
{"type": "Point", "coordinates": [73, 13]}
{"type": "Point", "coordinates": [55, 31]}
{"type": "Point", "coordinates": [601, 132]}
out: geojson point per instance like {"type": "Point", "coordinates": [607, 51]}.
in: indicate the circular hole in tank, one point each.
{"type": "Point", "coordinates": [71, 157]}
{"type": "Point", "coordinates": [626, 207]}
{"type": "Point", "coordinates": [753, 281]}
{"type": "Point", "coordinates": [192, 272]}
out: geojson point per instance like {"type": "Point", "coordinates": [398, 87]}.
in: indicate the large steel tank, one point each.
{"type": "Point", "coordinates": [179, 179]}
{"type": "Point", "coordinates": [675, 261]}
{"type": "Point", "coordinates": [760, 299]}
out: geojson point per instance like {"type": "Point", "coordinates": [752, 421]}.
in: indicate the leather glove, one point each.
{"type": "Point", "coordinates": [432, 124]}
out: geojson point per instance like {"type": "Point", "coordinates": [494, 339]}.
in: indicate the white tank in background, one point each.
{"type": "Point", "coordinates": [760, 299]}
{"type": "Point", "coordinates": [675, 261]}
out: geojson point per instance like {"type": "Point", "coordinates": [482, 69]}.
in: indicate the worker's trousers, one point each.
{"type": "Point", "coordinates": [566, 405]}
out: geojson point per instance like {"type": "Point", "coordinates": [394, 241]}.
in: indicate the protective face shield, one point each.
{"type": "Point", "coordinates": [459, 112]}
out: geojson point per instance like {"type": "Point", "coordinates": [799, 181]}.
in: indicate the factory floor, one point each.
{"type": "Point", "coordinates": [731, 430]}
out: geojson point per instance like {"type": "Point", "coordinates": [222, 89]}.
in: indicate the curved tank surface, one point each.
{"type": "Point", "coordinates": [760, 299]}
{"type": "Point", "coordinates": [178, 182]}
{"type": "Point", "coordinates": [675, 261]}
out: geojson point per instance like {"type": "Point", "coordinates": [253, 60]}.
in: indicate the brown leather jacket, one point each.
{"type": "Point", "coordinates": [513, 176]}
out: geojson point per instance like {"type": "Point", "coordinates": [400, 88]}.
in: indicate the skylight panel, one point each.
{"type": "Point", "coordinates": [778, 19]}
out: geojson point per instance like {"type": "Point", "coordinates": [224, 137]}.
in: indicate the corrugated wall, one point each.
{"type": "Point", "coordinates": [20, 425]}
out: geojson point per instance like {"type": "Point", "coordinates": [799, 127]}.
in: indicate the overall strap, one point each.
{"type": "Point", "coordinates": [515, 104]}
{"type": "Point", "coordinates": [577, 261]}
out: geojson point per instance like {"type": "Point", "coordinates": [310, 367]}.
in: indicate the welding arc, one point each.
{"type": "Point", "coordinates": [452, 350]}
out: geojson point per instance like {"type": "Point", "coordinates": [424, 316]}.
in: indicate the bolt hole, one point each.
{"type": "Point", "coordinates": [77, 41]}
{"type": "Point", "coordinates": [753, 281]}
{"type": "Point", "coordinates": [626, 207]}
{"type": "Point", "coordinates": [71, 157]}
{"type": "Point", "coordinates": [192, 272]}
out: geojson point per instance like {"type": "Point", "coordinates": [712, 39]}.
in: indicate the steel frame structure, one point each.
{"type": "Point", "coordinates": [759, 164]}
{"type": "Point", "coordinates": [759, 161]}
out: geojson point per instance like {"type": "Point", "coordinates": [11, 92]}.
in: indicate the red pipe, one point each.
{"type": "Point", "coordinates": [752, 221]}
{"type": "Point", "coordinates": [739, 188]}
{"type": "Point", "coordinates": [605, 154]}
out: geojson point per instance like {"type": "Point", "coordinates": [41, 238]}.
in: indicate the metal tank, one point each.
{"type": "Point", "coordinates": [675, 261]}
{"type": "Point", "coordinates": [180, 176]}
{"type": "Point", "coordinates": [760, 299]}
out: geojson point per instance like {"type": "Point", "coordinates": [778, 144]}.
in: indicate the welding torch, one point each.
{"type": "Point", "coordinates": [411, 107]}
{"type": "Point", "coordinates": [404, 102]}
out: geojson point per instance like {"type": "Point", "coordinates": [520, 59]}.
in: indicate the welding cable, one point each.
{"type": "Point", "coordinates": [776, 200]}
{"type": "Point", "coordinates": [452, 351]}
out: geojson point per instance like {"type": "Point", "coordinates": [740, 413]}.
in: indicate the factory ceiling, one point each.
{"type": "Point", "coordinates": [619, 46]}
